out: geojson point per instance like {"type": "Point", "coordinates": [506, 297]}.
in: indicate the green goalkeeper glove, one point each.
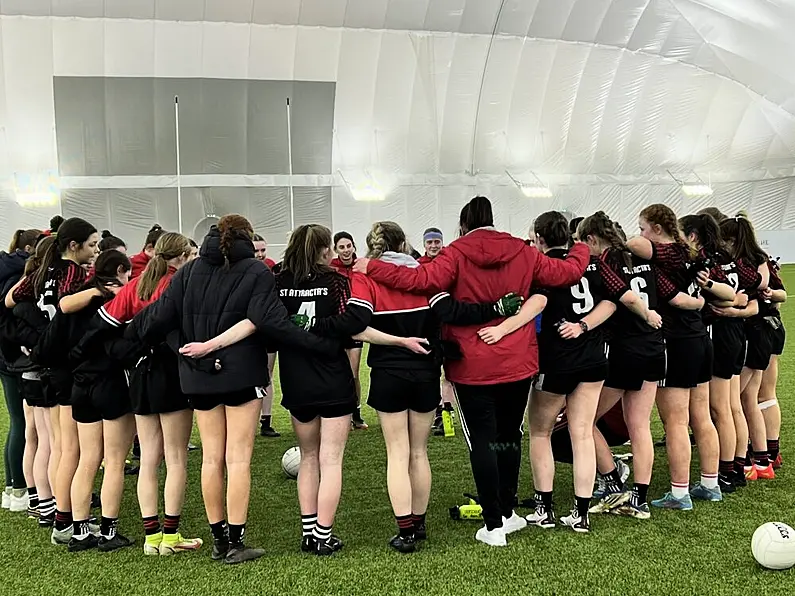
{"type": "Point", "coordinates": [508, 305]}
{"type": "Point", "coordinates": [302, 321]}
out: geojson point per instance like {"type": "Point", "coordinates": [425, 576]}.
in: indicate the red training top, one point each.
{"type": "Point", "coordinates": [126, 304]}
{"type": "Point", "coordinates": [270, 263]}
{"type": "Point", "coordinates": [139, 263]}
{"type": "Point", "coordinates": [424, 259]}
{"type": "Point", "coordinates": [342, 268]}
{"type": "Point", "coordinates": [484, 266]}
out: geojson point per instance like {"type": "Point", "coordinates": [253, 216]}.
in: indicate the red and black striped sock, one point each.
{"type": "Point", "coordinates": [63, 520]}
{"type": "Point", "coordinates": [739, 465]}
{"type": "Point", "coordinates": [151, 525]}
{"type": "Point", "coordinates": [419, 520]}
{"type": "Point", "coordinates": [725, 468]}
{"type": "Point", "coordinates": [761, 459]}
{"type": "Point", "coordinates": [772, 449]}
{"type": "Point", "coordinates": [170, 524]}
{"type": "Point", "coordinates": [405, 525]}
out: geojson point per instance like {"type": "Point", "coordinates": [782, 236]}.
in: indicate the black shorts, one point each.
{"type": "Point", "coordinates": [566, 383]}
{"type": "Point", "coordinates": [230, 399]}
{"type": "Point", "coordinates": [728, 345]}
{"type": "Point", "coordinates": [155, 389]}
{"type": "Point", "coordinates": [60, 385]}
{"type": "Point", "coordinates": [36, 395]}
{"type": "Point", "coordinates": [689, 362]}
{"type": "Point", "coordinates": [628, 371]}
{"type": "Point", "coordinates": [760, 344]}
{"type": "Point", "coordinates": [307, 414]}
{"type": "Point", "coordinates": [107, 398]}
{"type": "Point", "coordinates": [354, 345]}
{"type": "Point", "coordinates": [391, 393]}
{"type": "Point", "coordinates": [779, 339]}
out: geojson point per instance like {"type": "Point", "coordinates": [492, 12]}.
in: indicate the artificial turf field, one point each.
{"type": "Point", "coordinates": [705, 551]}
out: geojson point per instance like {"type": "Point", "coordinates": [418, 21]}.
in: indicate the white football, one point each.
{"type": "Point", "coordinates": [773, 545]}
{"type": "Point", "coordinates": [291, 460]}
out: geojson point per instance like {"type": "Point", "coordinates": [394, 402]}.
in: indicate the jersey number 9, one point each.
{"type": "Point", "coordinates": [583, 300]}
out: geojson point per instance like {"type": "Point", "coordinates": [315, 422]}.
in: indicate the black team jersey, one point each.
{"type": "Point", "coordinates": [308, 379]}
{"type": "Point", "coordinates": [766, 307]}
{"type": "Point", "coordinates": [572, 304]}
{"type": "Point", "coordinates": [738, 274]}
{"type": "Point", "coordinates": [628, 332]}
{"type": "Point", "coordinates": [675, 262]}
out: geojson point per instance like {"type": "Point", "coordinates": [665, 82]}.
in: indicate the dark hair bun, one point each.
{"type": "Point", "coordinates": [155, 228]}
{"type": "Point", "coordinates": [106, 234]}
{"type": "Point", "coordinates": [55, 223]}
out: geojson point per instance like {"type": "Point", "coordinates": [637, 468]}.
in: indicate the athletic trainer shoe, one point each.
{"type": "Point", "coordinates": [77, 545]}
{"type": "Point", "coordinates": [612, 497]}
{"type": "Point", "coordinates": [778, 462]}
{"type": "Point", "coordinates": [577, 521]}
{"type": "Point", "coordinates": [495, 537]}
{"type": "Point", "coordinates": [630, 509]}
{"type": "Point", "coordinates": [702, 493]}
{"type": "Point", "coordinates": [152, 544]}
{"type": "Point", "coordinates": [600, 486]}
{"type": "Point", "coordinates": [176, 543]}
{"type": "Point", "coordinates": [328, 547]}
{"type": "Point", "coordinates": [6, 501]}
{"type": "Point", "coordinates": [220, 549]}
{"type": "Point", "coordinates": [403, 544]}
{"type": "Point", "coordinates": [761, 473]}
{"type": "Point", "coordinates": [359, 424]}
{"type": "Point", "coordinates": [19, 504]}
{"type": "Point", "coordinates": [61, 537]}
{"type": "Point", "coordinates": [751, 473]}
{"type": "Point", "coordinates": [268, 431]}
{"type": "Point", "coordinates": [726, 484]}
{"type": "Point", "coordinates": [118, 541]}
{"type": "Point", "coordinates": [669, 501]}
{"type": "Point", "coordinates": [513, 524]}
{"type": "Point", "coordinates": [541, 518]}
{"type": "Point", "coordinates": [739, 479]}
{"type": "Point", "coordinates": [240, 553]}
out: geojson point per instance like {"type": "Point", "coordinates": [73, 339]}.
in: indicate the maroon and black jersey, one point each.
{"type": "Point", "coordinates": [572, 304]}
{"type": "Point", "coordinates": [676, 264]}
{"type": "Point", "coordinates": [63, 278]}
{"type": "Point", "coordinates": [309, 379]}
{"type": "Point", "coordinates": [628, 331]}
{"type": "Point", "coordinates": [738, 274]}
{"type": "Point", "coordinates": [767, 308]}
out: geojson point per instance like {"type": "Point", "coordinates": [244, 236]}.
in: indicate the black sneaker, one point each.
{"type": "Point", "coordinates": [77, 545]}
{"type": "Point", "coordinates": [359, 424]}
{"type": "Point", "coordinates": [308, 544]}
{"type": "Point", "coordinates": [118, 541]}
{"type": "Point", "coordinates": [220, 548]}
{"type": "Point", "coordinates": [726, 484]}
{"type": "Point", "coordinates": [328, 547]}
{"type": "Point", "coordinates": [47, 521]}
{"type": "Point", "coordinates": [240, 553]}
{"type": "Point", "coordinates": [739, 479]}
{"type": "Point", "coordinates": [131, 470]}
{"type": "Point", "coordinates": [403, 544]}
{"type": "Point", "coordinates": [96, 502]}
{"type": "Point", "coordinates": [420, 532]}
{"type": "Point", "coordinates": [268, 431]}
{"type": "Point", "coordinates": [577, 522]}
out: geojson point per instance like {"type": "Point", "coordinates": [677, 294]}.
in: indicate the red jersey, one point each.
{"type": "Point", "coordinates": [484, 266]}
{"type": "Point", "coordinates": [123, 308]}
{"type": "Point", "coordinates": [270, 263]}
{"type": "Point", "coordinates": [342, 268]}
{"type": "Point", "coordinates": [139, 263]}
{"type": "Point", "coordinates": [424, 259]}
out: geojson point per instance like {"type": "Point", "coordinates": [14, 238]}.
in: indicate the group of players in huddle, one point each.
{"type": "Point", "coordinates": [579, 320]}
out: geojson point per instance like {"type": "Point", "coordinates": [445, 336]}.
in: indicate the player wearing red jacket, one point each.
{"type": "Point", "coordinates": [345, 248]}
{"type": "Point", "coordinates": [492, 382]}
{"type": "Point", "coordinates": [141, 260]}
{"type": "Point", "coordinates": [266, 427]}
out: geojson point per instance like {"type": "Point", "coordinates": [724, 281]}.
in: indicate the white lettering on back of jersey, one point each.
{"type": "Point", "coordinates": [311, 293]}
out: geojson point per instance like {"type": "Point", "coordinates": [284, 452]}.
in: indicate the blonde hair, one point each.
{"type": "Point", "coordinates": [385, 236]}
{"type": "Point", "coordinates": [170, 245]}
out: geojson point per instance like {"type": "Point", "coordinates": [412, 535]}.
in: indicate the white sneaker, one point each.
{"type": "Point", "coordinates": [19, 504]}
{"type": "Point", "coordinates": [513, 524]}
{"type": "Point", "coordinates": [495, 537]}
{"type": "Point", "coordinates": [6, 500]}
{"type": "Point", "coordinates": [62, 536]}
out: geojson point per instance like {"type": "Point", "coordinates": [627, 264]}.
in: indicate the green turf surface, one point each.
{"type": "Point", "coordinates": [706, 551]}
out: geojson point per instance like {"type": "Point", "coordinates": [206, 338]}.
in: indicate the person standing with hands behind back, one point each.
{"type": "Point", "coordinates": [345, 248]}
{"type": "Point", "coordinates": [223, 287]}
{"type": "Point", "coordinates": [492, 381]}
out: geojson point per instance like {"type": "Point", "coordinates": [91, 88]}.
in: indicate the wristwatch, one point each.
{"type": "Point", "coordinates": [584, 326]}
{"type": "Point", "coordinates": [710, 283]}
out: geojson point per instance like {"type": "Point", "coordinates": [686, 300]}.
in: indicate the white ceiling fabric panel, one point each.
{"type": "Point", "coordinates": [438, 98]}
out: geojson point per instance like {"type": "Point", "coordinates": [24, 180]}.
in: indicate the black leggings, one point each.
{"type": "Point", "coordinates": [15, 441]}
{"type": "Point", "coordinates": [491, 418]}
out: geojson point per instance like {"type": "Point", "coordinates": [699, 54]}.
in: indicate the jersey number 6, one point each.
{"type": "Point", "coordinates": [638, 284]}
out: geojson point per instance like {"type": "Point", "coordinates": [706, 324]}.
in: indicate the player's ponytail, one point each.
{"type": "Point", "coordinates": [23, 239]}
{"type": "Point", "coordinates": [663, 216]}
{"type": "Point", "coordinates": [552, 228]}
{"type": "Point", "coordinates": [601, 227]}
{"type": "Point", "coordinates": [106, 272]}
{"type": "Point", "coordinates": [739, 232]}
{"type": "Point", "coordinates": [707, 232]}
{"type": "Point", "coordinates": [307, 251]}
{"type": "Point", "coordinates": [385, 236]}
{"type": "Point", "coordinates": [171, 245]}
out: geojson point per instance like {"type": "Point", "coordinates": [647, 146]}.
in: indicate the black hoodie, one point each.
{"type": "Point", "coordinates": [210, 295]}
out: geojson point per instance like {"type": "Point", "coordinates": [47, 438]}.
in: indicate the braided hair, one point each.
{"type": "Point", "coordinates": [600, 226]}
{"type": "Point", "coordinates": [385, 236]}
{"type": "Point", "coordinates": [664, 216]}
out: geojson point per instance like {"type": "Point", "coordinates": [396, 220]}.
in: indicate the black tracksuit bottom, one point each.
{"type": "Point", "coordinates": [491, 418]}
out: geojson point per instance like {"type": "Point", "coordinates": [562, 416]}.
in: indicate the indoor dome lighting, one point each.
{"type": "Point", "coordinates": [366, 191]}
{"type": "Point", "coordinates": [41, 190]}
{"type": "Point", "coordinates": [537, 190]}
{"type": "Point", "coordinates": [697, 190]}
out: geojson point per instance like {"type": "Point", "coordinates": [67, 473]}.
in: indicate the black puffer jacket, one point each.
{"type": "Point", "coordinates": [208, 296]}
{"type": "Point", "coordinates": [12, 264]}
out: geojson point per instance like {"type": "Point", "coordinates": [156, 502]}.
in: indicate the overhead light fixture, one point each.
{"type": "Point", "coordinates": [366, 191]}
{"type": "Point", "coordinates": [693, 189]}
{"type": "Point", "coordinates": [41, 190]}
{"type": "Point", "coordinates": [537, 190]}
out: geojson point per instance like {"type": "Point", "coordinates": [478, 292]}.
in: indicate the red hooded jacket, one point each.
{"type": "Point", "coordinates": [483, 266]}
{"type": "Point", "coordinates": [341, 268]}
{"type": "Point", "coordinates": [139, 262]}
